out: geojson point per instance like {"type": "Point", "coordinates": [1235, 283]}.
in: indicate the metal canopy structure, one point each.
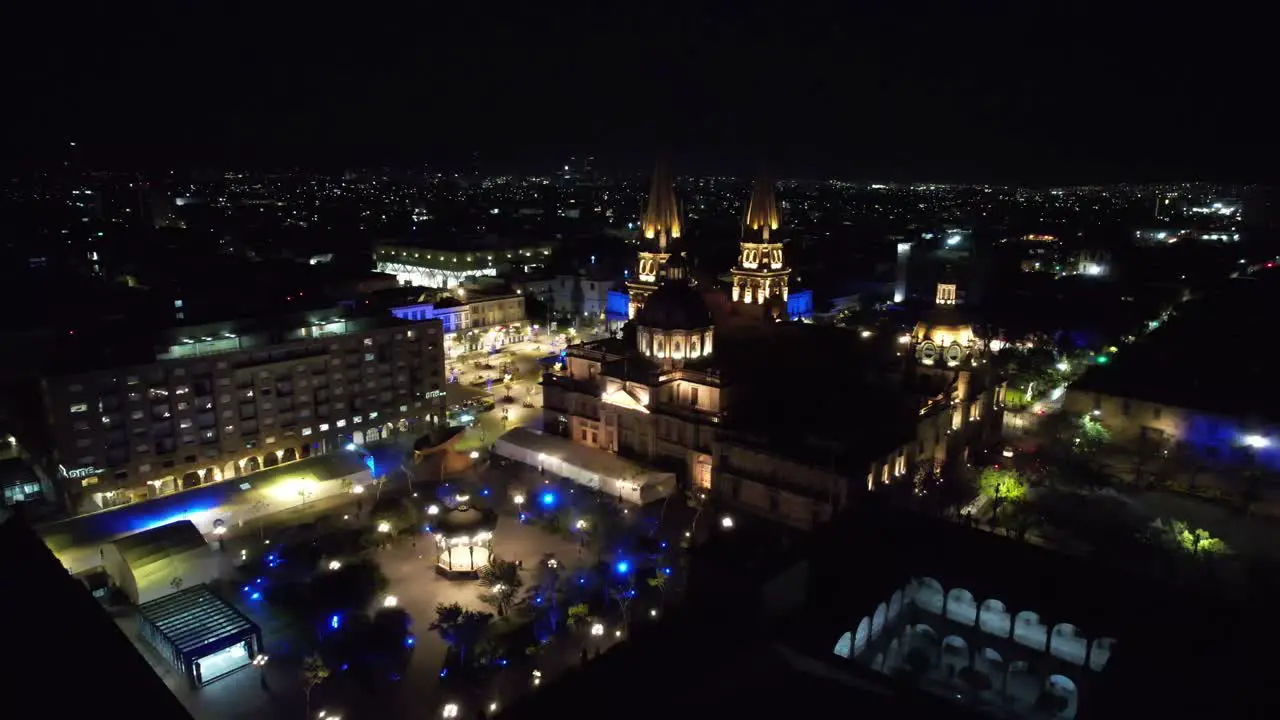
{"type": "Point", "coordinates": [194, 623]}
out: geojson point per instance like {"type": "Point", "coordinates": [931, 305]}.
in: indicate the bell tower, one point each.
{"type": "Point", "coordinates": [659, 227]}
{"type": "Point", "coordinates": [760, 274]}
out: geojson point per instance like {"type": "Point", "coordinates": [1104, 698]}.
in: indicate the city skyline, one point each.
{"type": "Point", "coordinates": [1041, 96]}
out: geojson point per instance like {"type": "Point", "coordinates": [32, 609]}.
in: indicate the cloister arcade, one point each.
{"type": "Point", "coordinates": [1023, 658]}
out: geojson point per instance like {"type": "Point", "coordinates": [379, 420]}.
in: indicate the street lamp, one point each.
{"type": "Point", "coordinates": [726, 522]}
{"type": "Point", "coordinates": [475, 454]}
{"type": "Point", "coordinates": [384, 527]}
{"type": "Point", "coordinates": [433, 509]}
{"type": "Point", "coordinates": [597, 630]}
{"type": "Point", "coordinates": [519, 500]}
{"type": "Point", "coordinates": [450, 710]}
{"type": "Point", "coordinates": [390, 601]}
{"type": "Point", "coordinates": [335, 564]}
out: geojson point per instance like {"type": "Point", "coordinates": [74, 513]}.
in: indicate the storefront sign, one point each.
{"type": "Point", "coordinates": [82, 472]}
{"type": "Point", "coordinates": [435, 394]}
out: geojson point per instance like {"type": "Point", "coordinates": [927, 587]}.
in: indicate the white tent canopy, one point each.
{"type": "Point", "coordinates": [599, 470]}
{"type": "Point", "coordinates": [156, 562]}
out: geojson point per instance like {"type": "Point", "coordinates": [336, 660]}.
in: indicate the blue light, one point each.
{"type": "Point", "coordinates": [409, 641]}
{"type": "Point", "coordinates": [666, 571]}
{"type": "Point", "coordinates": [622, 567]}
{"type": "Point", "coordinates": [344, 667]}
{"type": "Point", "coordinates": [548, 499]}
{"type": "Point", "coordinates": [664, 545]}
{"type": "Point", "coordinates": [258, 580]}
{"type": "Point", "coordinates": [485, 492]}
{"type": "Point", "coordinates": [335, 622]}
{"type": "Point", "coordinates": [352, 447]}
{"type": "Point", "coordinates": [368, 460]}
{"type": "Point", "coordinates": [522, 517]}
{"type": "Point", "coordinates": [444, 672]}
{"type": "Point", "coordinates": [502, 662]}
{"type": "Point", "coordinates": [537, 600]}
{"type": "Point", "coordinates": [246, 588]}
{"type": "Point", "coordinates": [256, 596]}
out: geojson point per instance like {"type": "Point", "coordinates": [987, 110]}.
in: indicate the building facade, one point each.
{"type": "Point", "coordinates": [216, 404]}
{"type": "Point", "coordinates": [447, 268]}
{"type": "Point", "coordinates": [471, 321]}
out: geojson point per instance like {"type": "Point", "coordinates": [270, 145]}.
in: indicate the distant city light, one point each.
{"type": "Point", "coordinates": [1256, 441]}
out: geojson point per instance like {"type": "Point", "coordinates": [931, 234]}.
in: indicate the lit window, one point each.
{"type": "Point", "coordinates": [357, 419]}
{"type": "Point", "coordinates": [373, 415]}
{"type": "Point", "coordinates": [306, 431]}
{"type": "Point", "coordinates": [342, 423]}
{"type": "Point", "coordinates": [324, 427]}
{"type": "Point", "coordinates": [271, 439]}
{"type": "Point", "coordinates": [80, 407]}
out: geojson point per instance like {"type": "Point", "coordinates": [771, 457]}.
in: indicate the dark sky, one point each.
{"type": "Point", "coordinates": [923, 91]}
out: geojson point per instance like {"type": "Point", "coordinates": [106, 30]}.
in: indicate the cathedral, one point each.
{"type": "Point", "coordinates": [707, 383]}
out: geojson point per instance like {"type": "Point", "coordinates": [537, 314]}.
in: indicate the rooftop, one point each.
{"type": "Point", "coordinates": [453, 242]}
{"type": "Point", "coordinates": [1201, 358]}
{"type": "Point", "coordinates": [105, 347]}
{"type": "Point", "coordinates": [57, 616]}
{"type": "Point", "coordinates": [194, 618]}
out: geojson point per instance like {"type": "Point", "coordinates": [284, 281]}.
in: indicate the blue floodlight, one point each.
{"type": "Point", "coordinates": [622, 567]}
{"type": "Point", "coordinates": [409, 641]}
{"type": "Point", "coordinates": [548, 499]}
{"type": "Point", "coordinates": [335, 622]}
{"type": "Point", "coordinates": [352, 447]}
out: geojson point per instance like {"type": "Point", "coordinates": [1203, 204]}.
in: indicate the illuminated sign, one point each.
{"type": "Point", "coordinates": [83, 472]}
{"type": "Point", "coordinates": [435, 394]}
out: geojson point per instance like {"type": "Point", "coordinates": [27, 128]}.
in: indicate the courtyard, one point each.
{"type": "Point", "coordinates": [269, 572]}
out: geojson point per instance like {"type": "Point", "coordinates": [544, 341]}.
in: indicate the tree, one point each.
{"type": "Point", "coordinates": [696, 499]}
{"type": "Point", "coordinates": [501, 578]}
{"type": "Point", "coordinates": [579, 614]}
{"type": "Point", "coordinates": [659, 581]}
{"type": "Point", "coordinates": [314, 672]}
{"type": "Point", "coordinates": [1196, 542]}
{"type": "Point", "coordinates": [462, 629]}
{"type": "Point", "coordinates": [1002, 485]}
{"type": "Point", "coordinates": [1092, 436]}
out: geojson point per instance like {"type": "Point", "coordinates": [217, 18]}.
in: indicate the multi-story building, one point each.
{"type": "Point", "coordinates": [451, 264]}
{"type": "Point", "coordinates": [571, 295]}
{"type": "Point", "coordinates": [218, 401]}
{"type": "Point", "coordinates": [472, 320]}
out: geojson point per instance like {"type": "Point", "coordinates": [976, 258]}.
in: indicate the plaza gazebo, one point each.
{"type": "Point", "coordinates": [464, 537]}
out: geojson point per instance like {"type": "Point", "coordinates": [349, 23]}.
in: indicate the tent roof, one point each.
{"type": "Point", "coordinates": [158, 544]}
{"type": "Point", "coordinates": [601, 462]}
{"type": "Point", "coordinates": [57, 614]}
{"type": "Point", "coordinates": [195, 617]}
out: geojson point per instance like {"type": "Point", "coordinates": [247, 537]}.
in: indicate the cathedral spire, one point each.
{"type": "Point", "coordinates": [661, 219]}
{"type": "Point", "coordinates": [762, 208]}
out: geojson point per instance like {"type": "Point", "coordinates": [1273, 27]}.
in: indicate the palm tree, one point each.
{"type": "Point", "coordinates": [314, 672]}
{"type": "Point", "coordinates": [502, 580]}
{"type": "Point", "coordinates": [462, 629]}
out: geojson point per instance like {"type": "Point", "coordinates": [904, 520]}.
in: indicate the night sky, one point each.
{"type": "Point", "coordinates": [1081, 93]}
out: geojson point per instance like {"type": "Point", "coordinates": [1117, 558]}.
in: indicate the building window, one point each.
{"type": "Point", "coordinates": [306, 431]}
{"type": "Point", "coordinates": [80, 407]}
{"type": "Point", "coordinates": [693, 396]}
{"type": "Point", "coordinates": [324, 427]}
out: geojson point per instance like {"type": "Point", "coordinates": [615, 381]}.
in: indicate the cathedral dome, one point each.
{"type": "Point", "coordinates": [674, 306]}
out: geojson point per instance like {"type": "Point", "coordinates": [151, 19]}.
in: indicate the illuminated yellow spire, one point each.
{"type": "Point", "coordinates": [661, 220]}
{"type": "Point", "coordinates": [762, 209]}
